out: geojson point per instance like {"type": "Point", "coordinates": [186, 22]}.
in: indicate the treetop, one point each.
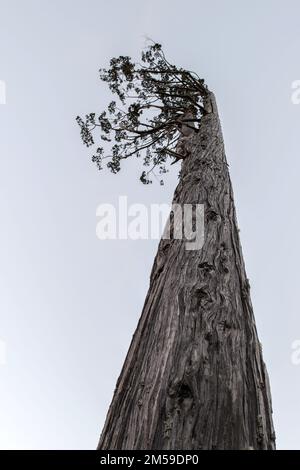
{"type": "Point", "coordinates": [154, 101]}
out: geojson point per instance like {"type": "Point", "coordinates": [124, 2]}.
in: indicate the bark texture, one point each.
{"type": "Point", "coordinates": [194, 377]}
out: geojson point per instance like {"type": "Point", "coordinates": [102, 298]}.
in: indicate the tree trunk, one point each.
{"type": "Point", "coordinates": [194, 377]}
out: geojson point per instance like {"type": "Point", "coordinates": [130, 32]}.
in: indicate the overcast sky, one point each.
{"type": "Point", "coordinates": [69, 303]}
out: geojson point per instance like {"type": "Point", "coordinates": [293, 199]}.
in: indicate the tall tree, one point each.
{"type": "Point", "coordinates": [194, 376]}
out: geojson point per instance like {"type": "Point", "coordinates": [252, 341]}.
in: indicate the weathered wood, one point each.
{"type": "Point", "coordinates": [194, 377]}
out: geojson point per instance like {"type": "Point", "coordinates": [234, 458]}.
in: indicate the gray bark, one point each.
{"type": "Point", "coordinates": [194, 376]}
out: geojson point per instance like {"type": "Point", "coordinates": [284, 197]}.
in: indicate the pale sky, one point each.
{"type": "Point", "coordinates": [69, 303]}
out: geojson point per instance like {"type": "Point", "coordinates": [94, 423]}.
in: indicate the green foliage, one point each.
{"type": "Point", "coordinates": [152, 100]}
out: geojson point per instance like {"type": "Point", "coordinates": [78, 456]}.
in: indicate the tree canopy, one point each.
{"type": "Point", "coordinates": [154, 100]}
